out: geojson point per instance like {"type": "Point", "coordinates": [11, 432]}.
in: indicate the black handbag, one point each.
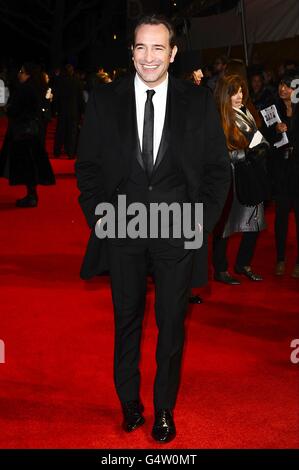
{"type": "Point", "coordinates": [251, 178]}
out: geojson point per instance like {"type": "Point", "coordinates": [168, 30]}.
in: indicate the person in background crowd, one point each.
{"type": "Point", "coordinates": [239, 128]}
{"type": "Point", "coordinates": [238, 67]}
{"type": "Point", "coordinates": [219, 68]}
{"type": "Point", "coordinates": [270, 81]}
{"type": "Point", "coordinates": [54, 84]}
{"type": "Point", "coordinates": [98, 77]}
{"type": "Point", "coordinates": [23, 159]}
{"type": "Point", "coordinates": [4, 92]}
{"type": "Point", "coordinates": [197, 76]}
{"type": "Point", "coordinates": [190, 65]}
{"type": "Point", "coordinates": [102, 77]}
{"type": "Point", "coordinates": [286, 66]}
{"type": "Point", "coordinates": [82, 77]}
{"type": "Point", "coordinates": [207, 72]}
{"type": "Point", "coordinates": [284, 168]}
{"type": "Point", "coordinates": [46, 104]}
{"type": "Point", "coordinates": [119, 73]}
{"type": "Point", "coordinates": [70, 107]}
{"type": "Point", "coordinates": [261, 97]}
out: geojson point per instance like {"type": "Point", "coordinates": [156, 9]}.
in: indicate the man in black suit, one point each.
{"type": "Point", "coordinates": [166, 146]}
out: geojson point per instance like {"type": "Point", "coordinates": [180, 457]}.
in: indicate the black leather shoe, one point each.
{"type": "Point", "coordinates": [246, 270]}
{"type": "Point", "coordinates": [164, 427]}
{"type": "Point", "coordinates": [133, 418]}
{"type": "Point", "coordinates": [28, 201]}
{"type": "Point", "coordinates": [226, 278]}
{"type": "Point", "coordinates": [195, 299]}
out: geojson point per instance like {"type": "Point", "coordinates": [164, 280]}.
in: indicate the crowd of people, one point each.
{"type": "Point", "coordinates": [172, 146]}
{"type": "Point", "coordinates": [38, 98]}
{"type": "Point", "coordinates": [241, 93]}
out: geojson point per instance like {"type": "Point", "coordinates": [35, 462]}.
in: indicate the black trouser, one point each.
{"type": "Point", "coordinates": [66, 134]}
{"type": "Point", "coordinates": [245, 252]}
{"type": "Point", "coordinates": [31, 190]}
{"type": "Point", "coordinates": [283, 205]}
{"type": "Point", "coordinates": [128, 269]}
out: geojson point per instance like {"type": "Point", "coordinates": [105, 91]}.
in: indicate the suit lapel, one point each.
{"type": "Point", "coordinates": [165, 138]}
{"type": "Point", "coordinates": [127, 121]}
{"type": "Point", "coordinates": [174, 120]}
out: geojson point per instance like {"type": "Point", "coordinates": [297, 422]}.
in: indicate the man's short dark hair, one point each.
{"type": "Point", "coordinates": [155, 19]}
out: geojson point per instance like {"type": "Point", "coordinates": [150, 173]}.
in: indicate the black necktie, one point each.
{"type": "Point", "coordinates": [148, 133]}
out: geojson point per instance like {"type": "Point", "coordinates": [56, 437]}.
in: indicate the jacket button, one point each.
{"type": "Point", "coordinates": [150, 188]}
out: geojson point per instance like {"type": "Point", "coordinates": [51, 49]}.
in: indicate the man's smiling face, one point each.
{"type": "Point", "coordinates": [152, 53]}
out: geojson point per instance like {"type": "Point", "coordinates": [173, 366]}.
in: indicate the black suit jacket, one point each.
{"type": "Point", "coordinates": [108, 143]}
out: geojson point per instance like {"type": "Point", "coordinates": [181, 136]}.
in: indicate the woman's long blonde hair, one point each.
{"type": "Point", "coordinates": [228, 86]}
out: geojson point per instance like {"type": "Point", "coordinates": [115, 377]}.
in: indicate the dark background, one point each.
{"type": "Point", "coordinates": [86, 33]}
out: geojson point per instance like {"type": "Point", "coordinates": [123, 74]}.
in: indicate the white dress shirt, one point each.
{"type": "Point", "coordinates": [159, 102]}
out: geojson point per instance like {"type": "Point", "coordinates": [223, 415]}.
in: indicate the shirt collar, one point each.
{"type": "Point", "coordinates": [239, 109]}
{"type": "Point", "coordinates": [141, 87]}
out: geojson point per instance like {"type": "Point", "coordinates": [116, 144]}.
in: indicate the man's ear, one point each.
{"type": "Point", "coordinates": [173, 53]}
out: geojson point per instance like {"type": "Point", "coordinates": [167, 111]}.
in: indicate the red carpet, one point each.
{"type": "Point", "coordinates": [239, 388]}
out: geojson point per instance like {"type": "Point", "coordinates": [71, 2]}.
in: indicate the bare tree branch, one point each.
{"type": "Point", "coordinates": [78, 9]}
{"type": "Point", "coordinates": [43, 6]}
{"type": "Point", "coordinates": [91, 4]}
{"type": "Point", "coordinates": [75, 12]}
{"type": "Point", "coordinates": [93, 33]}
{"type": "Point", "coordinates": [54, 21]}
{"type": "Point", "coordinates": [22, 16]}
{"type": "Point", "coordinates": [24, 33]}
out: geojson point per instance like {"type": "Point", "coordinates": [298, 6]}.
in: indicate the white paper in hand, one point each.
{"type": "Point", "coordinates": [256, 139]}
{"type": "Point", "coordinates": [271, 116]}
